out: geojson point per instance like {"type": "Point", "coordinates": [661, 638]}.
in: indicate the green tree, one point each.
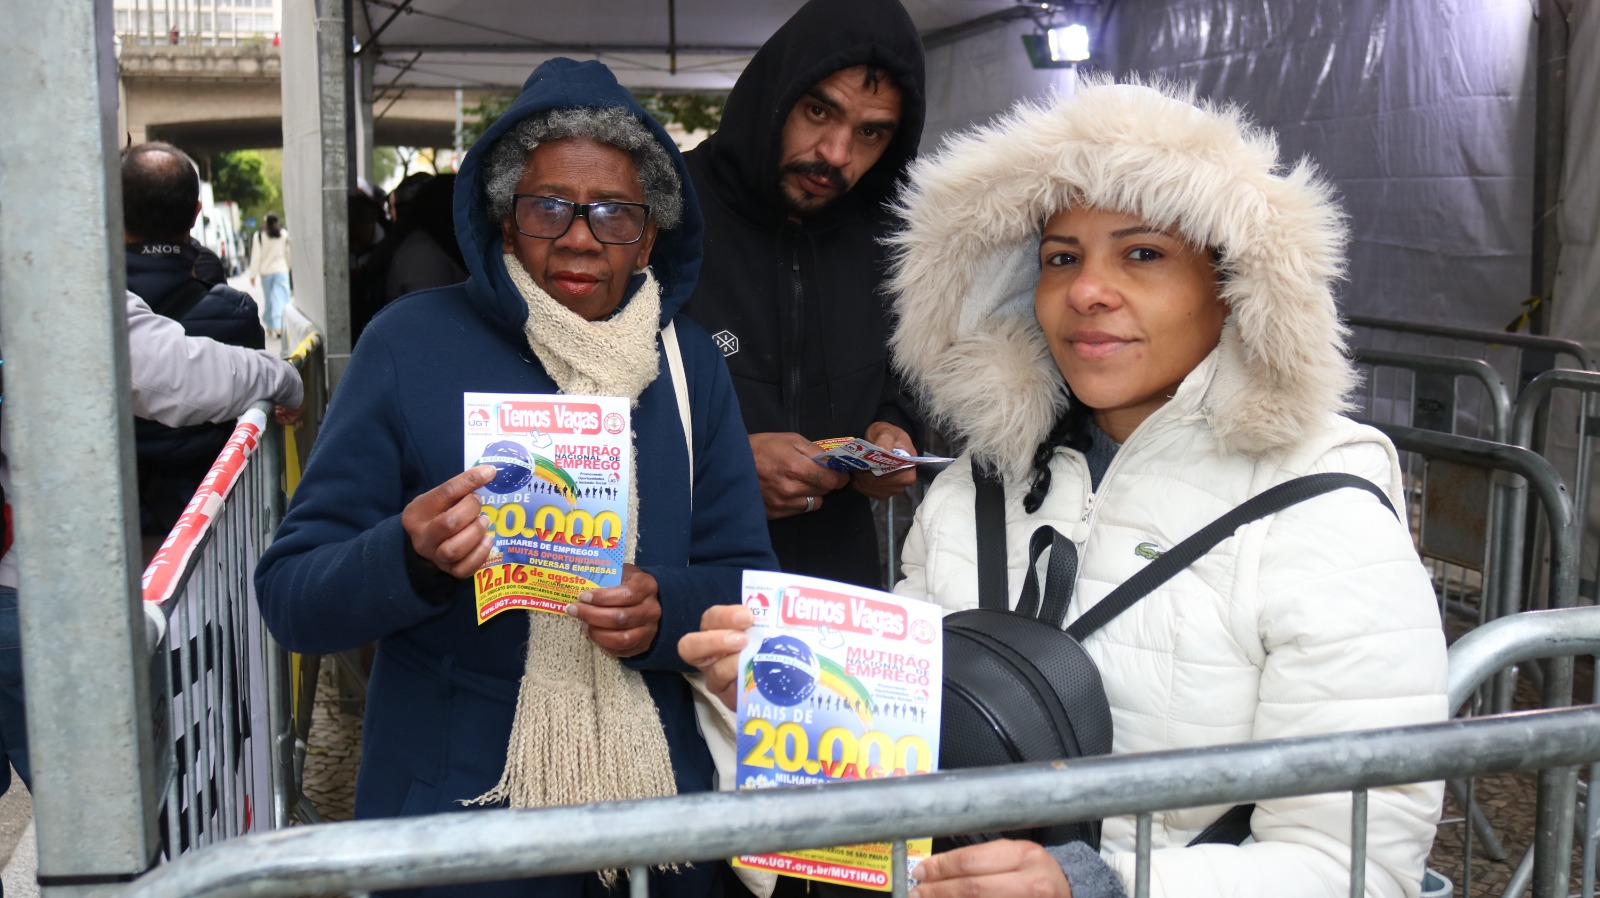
{"type": "Point", "coordinates": [251, 178]}
{"type": "Point", "coordinates": [385, 162]}
{"type": "Point", "coordinates": [691, 111]}
{"type": "Point", "coordinates": [476, 119]}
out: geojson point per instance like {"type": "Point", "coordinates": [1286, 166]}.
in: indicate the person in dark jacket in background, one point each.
{"type": "Point", "coordinates": [814, 136]}
{"type": "Point", "coordinates": [426, 253]}
{"type": "Point", "coordinates": [184, 281]}
{"type": "Point", "coordinates": [571, 288]}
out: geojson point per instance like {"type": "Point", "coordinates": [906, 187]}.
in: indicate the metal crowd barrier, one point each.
{"type": "Point", "coordinates": [1472, 490]}
{"type": "Point", "coordinates": [491, 845]}
{"type": "Point", "coordinates": [221, 684]}
{"type": "Point", "coordinates": [1518, 357]}
{"type": "Point", "coordinates": [1531, 636]}
{"type": "Point", "coordinates": [302, 671]}
{"type": "Point", "coordinates": [1452, 520]}
{"type": "Point", "coordinates": [1522, 355]}
{"type": "Point", "coordinates": [1468, 503]}
{"type": "Point", "coordinates": [214, 669]}
{"type": "Point", "coordinates": [1426, 391]}
{"type": "Point", "coordinates": [1553, 407]}
{"type": "Point", "coordinates": [1534, 399]}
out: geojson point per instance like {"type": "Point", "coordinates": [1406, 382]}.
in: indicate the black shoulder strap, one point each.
{"type": "Point", "coordinates": [1231, 828]}
{"type": "Point", "coordinates": [182, 299]}
{"type": "Point", "coordinates": [1060, 576]}
{"type": "Point", "coordinates": [989, 501]}
{"type": "Point", "coordinates": [1182, 555]}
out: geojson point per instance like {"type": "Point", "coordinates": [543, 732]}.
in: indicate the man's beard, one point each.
{"type": "Point", "coordinates": [805, 204]}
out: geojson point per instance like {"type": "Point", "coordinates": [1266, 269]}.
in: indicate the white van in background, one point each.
{"type": "Point", "coordinates": [218, 229]}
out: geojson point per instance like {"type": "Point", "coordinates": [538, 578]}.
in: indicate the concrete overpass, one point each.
{"type": "Point", "coordinates": [212, 99]}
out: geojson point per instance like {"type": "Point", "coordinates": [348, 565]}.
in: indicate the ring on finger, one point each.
{"type": "Point", "coordinates": [811, 504]}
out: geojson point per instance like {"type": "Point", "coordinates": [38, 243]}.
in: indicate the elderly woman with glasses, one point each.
{"type": "Point", "coordinates": [581, 233]}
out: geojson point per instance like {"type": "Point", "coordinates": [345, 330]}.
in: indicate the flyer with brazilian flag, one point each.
{"type": "Point", "coordinates": [558, 504]}
{"type": "Point", "coordinates": [837, 683]}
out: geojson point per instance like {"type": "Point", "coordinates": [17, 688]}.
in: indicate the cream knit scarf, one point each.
{"type": "Point", "coordinates": [586, 728]}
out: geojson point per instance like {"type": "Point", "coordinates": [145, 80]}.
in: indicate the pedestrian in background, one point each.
{"type": "Point", "coordinates": [269, 261]}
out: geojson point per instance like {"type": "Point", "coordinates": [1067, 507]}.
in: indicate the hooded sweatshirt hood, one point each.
{"type": "Point", "coordinates": [823, 37]}
{"type": "Point", "coordinates": [566, 84]}
{"type": "Point", "coordinates": [966, 264]}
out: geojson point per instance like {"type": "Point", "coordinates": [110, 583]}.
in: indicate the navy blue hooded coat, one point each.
{"type": "Point", "coordinates": [443, 689]}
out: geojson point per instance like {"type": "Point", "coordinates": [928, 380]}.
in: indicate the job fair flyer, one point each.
{"type": "Point", "coordinates": [839, 683]}
{"type": "Point", "coordinates": [558, 503]}
{"type": "Point", "coordinates": [849, 455]}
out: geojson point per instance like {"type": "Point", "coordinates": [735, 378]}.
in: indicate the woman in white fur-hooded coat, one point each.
{"type": "Point", "coordinates": [1315, 620]}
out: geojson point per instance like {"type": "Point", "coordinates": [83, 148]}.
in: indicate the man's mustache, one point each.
{"type": "Point", "coordinates": [820, 170]}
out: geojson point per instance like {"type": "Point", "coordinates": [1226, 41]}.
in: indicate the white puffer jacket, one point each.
{"type": "Point", "coordinates": [1316, 620]}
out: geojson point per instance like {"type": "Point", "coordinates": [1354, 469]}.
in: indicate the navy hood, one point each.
{"type": "Point", "coordinates": [566, 84]}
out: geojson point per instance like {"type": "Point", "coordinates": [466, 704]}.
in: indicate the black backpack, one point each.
{"type": "Point", "coordinates": [1017, 687]}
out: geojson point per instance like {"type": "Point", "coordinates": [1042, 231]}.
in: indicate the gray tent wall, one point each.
{"type": "Point", "coordinates": [1577, 293]}
{"type": "Point", "coordinates": [1420, 113]}
{"type": "Point", "coordinates": [1576, 310]}
{"type": "Point", "coordinates": [972, 79]}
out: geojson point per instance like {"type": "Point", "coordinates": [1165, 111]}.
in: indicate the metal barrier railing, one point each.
{"type": "Point", "coordinates": [1518, 357]}
{"type": "Point", "coordinates": [504, 844]}
{"type": "Point", "coordinates": [1427, 388]}
{"type": "Point", "coordinates": [1471, 515]}
{"type": "Point", "coordinates": [1480, 655]}
{"type": "Point", "coordinates": [1522, 355]}
{"type": "Point", "coordinates": [1469, 489]}
{"type": "Point", "coordinates": [1554, 406]}
{"type": "Point", "coordinates": [1534, 399]}
{"type": "Point", "coordinates": [298, 691]}
{"type": "Point", "coordinates": [213, 665]}
{"type": "Point", "coordinates": [220, 683]}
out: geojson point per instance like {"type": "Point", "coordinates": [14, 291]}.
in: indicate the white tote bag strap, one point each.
{"type": "Point", "coordinates": [680, 387]}
{"type": "Point", "coordinates": [715, 720]}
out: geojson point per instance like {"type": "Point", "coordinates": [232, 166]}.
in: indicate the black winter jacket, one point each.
{"type": "Point", "coordinates": [796, 306]}
{"type": "Point", "coordinates": [173, 460]}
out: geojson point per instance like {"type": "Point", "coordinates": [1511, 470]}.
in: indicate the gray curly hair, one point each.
{"type": "Point", "coordinates": [611, 125]}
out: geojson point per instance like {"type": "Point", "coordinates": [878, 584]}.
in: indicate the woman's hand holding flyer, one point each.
{"type": "Point", "coordinates": [557, 505]}
{"type": "Point", "coordinates": [445, 525]}
{"type": "Point", "coordinates": [835, 682]}
{"type": "Point", "coordinates": [622, 620]}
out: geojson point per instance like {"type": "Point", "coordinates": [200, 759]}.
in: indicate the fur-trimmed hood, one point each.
{"type": "Point", "coordinates": [966, 263]}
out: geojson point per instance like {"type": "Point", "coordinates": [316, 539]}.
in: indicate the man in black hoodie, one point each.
{"type": "Point", "coordinates": [184, 281]}
{"type": "Point", "coordinates": [815, 134]}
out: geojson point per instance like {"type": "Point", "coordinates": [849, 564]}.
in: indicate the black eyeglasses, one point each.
{"type": "Point", "coordinates": [549, 217]}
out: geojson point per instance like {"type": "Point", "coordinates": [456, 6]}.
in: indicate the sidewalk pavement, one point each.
{"type": "Point", "coordinates": [18, 850]}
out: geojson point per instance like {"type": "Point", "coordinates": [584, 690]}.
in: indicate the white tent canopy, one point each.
{"type": "Point", "coordinates": [678, 45]}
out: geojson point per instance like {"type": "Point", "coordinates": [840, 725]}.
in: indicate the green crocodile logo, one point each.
{"type": "Point", "coordinates": [1148, 550]}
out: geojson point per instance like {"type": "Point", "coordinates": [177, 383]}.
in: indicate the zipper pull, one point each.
{"type": "Point", "coordinates": [1080, 530]}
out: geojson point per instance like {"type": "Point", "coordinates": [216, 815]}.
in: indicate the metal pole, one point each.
{"type": "Point", "coordinates": [333, 52]}
{"type": "Point", "coordinates": [503, 844]}
{"type": "Point", "coordinates": [1550, 127]}
{"type": "Point", "coordinates": [460, 124]}
{"type": "Point", "coordinates": [69, 433]}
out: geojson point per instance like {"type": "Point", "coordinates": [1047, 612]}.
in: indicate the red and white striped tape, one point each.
{"type": "Point", "coordinates": [169, 563]}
